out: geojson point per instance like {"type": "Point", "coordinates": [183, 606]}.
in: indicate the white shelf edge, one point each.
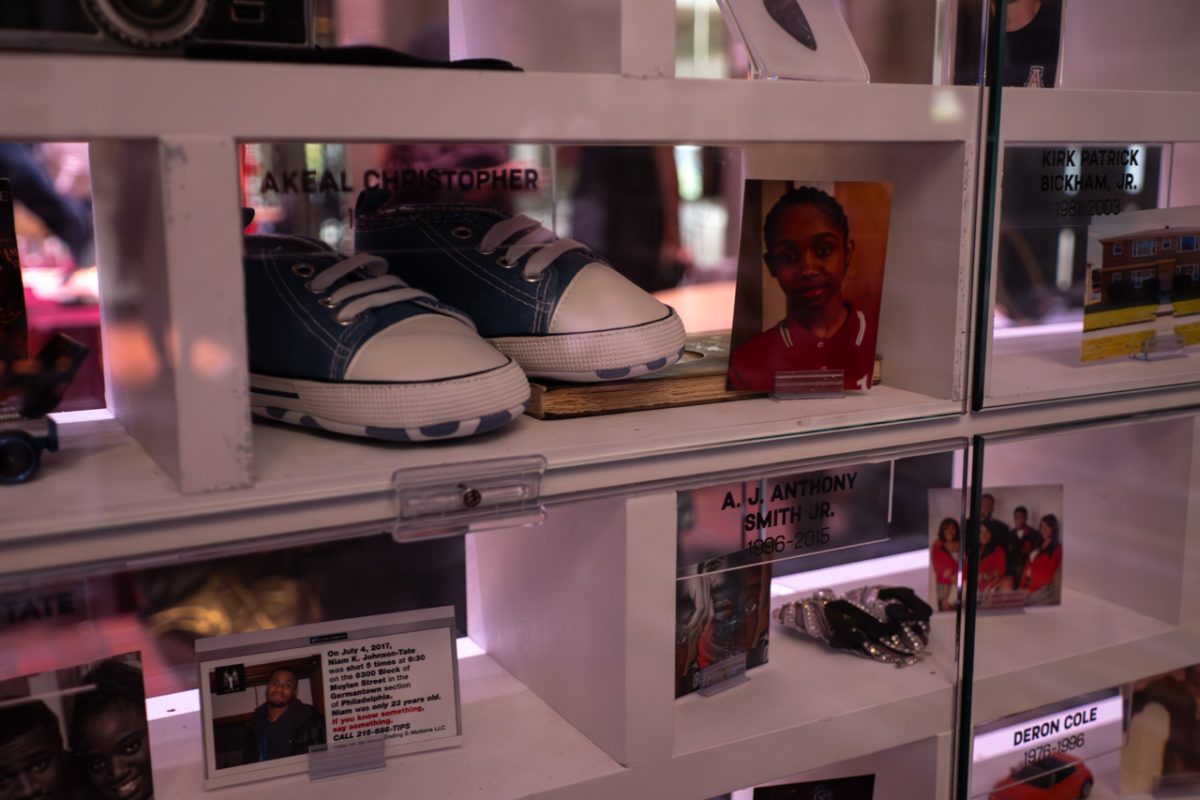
{"type": "Point", "coordinates": [1131, 646]}
{"type": "Point", "coordinates": [1091, 115]}
{"type": "Point", "coordinates": [1044, 366]}
{"type": "Point", "coordinates": [82, 97]}
{"type": "Point", "coordinates": [131, 511]}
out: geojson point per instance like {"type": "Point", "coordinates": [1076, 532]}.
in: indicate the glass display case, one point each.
{"type": "Point", "coordinates": [600, 399]}
{"type": "Point", "coordinates": [1109, 607]}
{"type": "Point", "coordinates": [1089, 291]}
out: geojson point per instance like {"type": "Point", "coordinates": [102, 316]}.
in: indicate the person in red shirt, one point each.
{"type": "Point", "coordinates": [943, 559]}
{"type": "Point", "coordinates": [1042, 570]}
{"type": "Point", "coordinates": [992, 562]}
{"type": "Point", "coordinates": [808, 251]}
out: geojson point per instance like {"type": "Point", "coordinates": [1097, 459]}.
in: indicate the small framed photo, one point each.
{"type": "Point", "coordinates": [809, 281]}
{"type": "Point", "coordinates": [231, 679]}
{"type": "Point", "coordinates": [77, 732]}
{"type": "Point", "coordinates": [721, 617]}
{"type": "Point", "coordinates": [1020, 543]}
{"type": "Point", "coordinates": [272, 700]}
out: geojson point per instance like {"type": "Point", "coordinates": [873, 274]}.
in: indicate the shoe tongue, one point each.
{"type": "Point", "coordinates": [371, 200]}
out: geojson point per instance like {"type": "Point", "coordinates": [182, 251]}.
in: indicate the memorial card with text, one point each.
{"type": "Point", "coordinates": [273, 700]}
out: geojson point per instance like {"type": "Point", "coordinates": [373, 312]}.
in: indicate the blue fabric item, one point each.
{"type": "Point", "coordinates": [290, 334]}
{"type": "Point", "coordinates": [435, 247]}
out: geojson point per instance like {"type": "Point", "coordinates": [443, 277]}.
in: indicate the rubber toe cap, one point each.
{"type": "Point", "coordinates": [600, 298]}
{"type": "Point", "coordinates": [425, 347]}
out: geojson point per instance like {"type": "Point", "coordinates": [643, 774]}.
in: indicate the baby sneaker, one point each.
{"type": "Point", "coordinates": [548, 303]}
{"type": "Point", "coordinates": [337, 343]}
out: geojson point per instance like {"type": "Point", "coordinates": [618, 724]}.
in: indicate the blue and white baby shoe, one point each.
{"type": "Point", "coordinates": [548, 303]}
{"type": "Point", "coordinates": [339, 344]}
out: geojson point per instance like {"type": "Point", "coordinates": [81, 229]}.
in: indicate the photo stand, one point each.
{"type": "Point", "coordinates": [1006, 602]}
{"type": "Point", "coordinates": [798, 39]}
{"type": "Point", "coordinates": [451, 499]}
{"type": "Point", "coordinates": [808, 384]}
{"type": "Point", "coordinates": [723, 675]}
{"type": "Point", "coordinates": [366, 755]}
{"type": "Point", "coordinates": [1162, 347]}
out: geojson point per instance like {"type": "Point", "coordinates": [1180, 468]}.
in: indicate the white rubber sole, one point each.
{"type": "Point", "coordinates": [404, 412]}
{"type": "Point", "coordinates": [597, 356]}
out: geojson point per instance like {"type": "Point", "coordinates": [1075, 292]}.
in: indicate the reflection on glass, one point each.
{"type": "Point", "coordinates": [162, 611]}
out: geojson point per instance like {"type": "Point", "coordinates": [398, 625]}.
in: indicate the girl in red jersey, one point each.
{"type": "Point", "coordinates": [808, 251]}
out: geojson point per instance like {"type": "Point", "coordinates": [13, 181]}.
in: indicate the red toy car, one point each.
{"type": "Point", "coordinates": [1057, 777]}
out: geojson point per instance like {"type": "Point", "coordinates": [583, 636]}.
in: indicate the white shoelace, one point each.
{"type": "Point", "coordinates": [376, 291]}
{"type": "Point", "coordinates": [542, 243]}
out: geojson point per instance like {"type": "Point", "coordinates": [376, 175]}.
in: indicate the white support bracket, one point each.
{"type": "Point", "coordinates": [168, 241]}
{"type": "Point", "coordinates": [582, 611]}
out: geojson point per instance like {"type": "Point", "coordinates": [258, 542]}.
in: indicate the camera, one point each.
{"type": "Point", "coordinates": [148, 26]}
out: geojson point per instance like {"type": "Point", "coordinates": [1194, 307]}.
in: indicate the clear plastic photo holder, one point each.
{"type": "Point", "coordinates": [798, 39]}
{"type": "Point", "coordinates": [449, 500]}
{"type": "Point", "coordinates": [723, 675]}
{"type": "Point", "coordinates": [1162, 347]}
{"type": "Point", "coordinates": [344, 758]}
{"type": "Point", "coordinates": [808, 384]}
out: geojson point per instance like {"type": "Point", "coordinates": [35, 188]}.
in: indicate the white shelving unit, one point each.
{"type": "Point", "coordinates": [573, 698]}
{"type": "Point", "coordinates": [165, 179]}
{"type": "Point", "coordinates": [126, 511]}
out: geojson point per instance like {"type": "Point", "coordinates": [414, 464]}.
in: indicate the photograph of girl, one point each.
{"type": "Point", "coordinates": [810, 279]}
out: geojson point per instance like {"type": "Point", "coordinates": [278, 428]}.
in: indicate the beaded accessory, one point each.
{"type": "Point", "coordinates": [885, 624]}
